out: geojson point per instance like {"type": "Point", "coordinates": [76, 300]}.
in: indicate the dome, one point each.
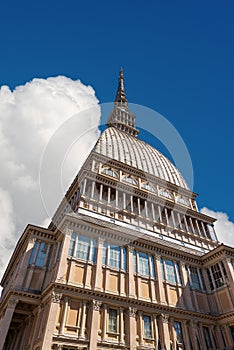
{"type": "Point", "coordinates": [128, 149]}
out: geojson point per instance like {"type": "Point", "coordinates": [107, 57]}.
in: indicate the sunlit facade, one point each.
{"type": "Point", "coordinates": [128, 261]}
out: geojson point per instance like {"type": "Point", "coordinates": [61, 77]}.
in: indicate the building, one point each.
{"type": "Point", "coordinates": [128, 261]}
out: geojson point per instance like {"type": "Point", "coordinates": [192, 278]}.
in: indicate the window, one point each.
{"type": "Point", "coordinates": [195, 278]}
{"type": "Point", "coordinates": [183, 201]}
{"type": "Point", "coordinates": [40, 255]}
{"type": "Point", "coordinates": [171, 271]}
{"type": "Point", "coordinates": [147, 186]}
{"type": "Point", "coordinates": [217, 275]}
{"type": "Point", "coordinates": [165, 194]}
{"type": "Point", "coordinates": [109, 172]}
{"type": "Point", "coordinates": [82, 247]}
{"type": "Point", "coordinates": [144, 264]}
{"type": "Point", "coordinates": [130, 180]}
{"type": "Point", "coordinates": [178, 331]}
{"type": "Point", "coordinates": [112, 321]}
{"type": "Point", "coordinates": [210, 279]}
{"type": "Point", "coordinates": [147, 327]}
{"type": "Point", "coordinates": [114, 260]}
{"type": "Point", "coordinates": [114, 256]}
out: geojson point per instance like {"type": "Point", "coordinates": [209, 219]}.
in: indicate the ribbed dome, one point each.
{"type": "Point", "coordinates": [128, 149]}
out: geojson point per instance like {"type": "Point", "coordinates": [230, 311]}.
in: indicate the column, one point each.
{"type": "Point", "coordinates": [227, 335]}
{"type": "Point", "coordinates": [131, 282]}
{"type": "Point", "coordinates": [160, 284]}
{"type": "Point", "coordinates": [104, 321]}
{"type": "Point", "coordinates": [98, 272]}
{"type": "Point", "coordinates": [51, 320]}
{"type": "Point", "coordinates": [6, 320]}
{"type": "Point", "coordinates": [164, 318]}
{"type": "Point", "coordinates": [121, 326]}
{"type": "Point", "coordinates": [202, 338]}
{"type": "Point", "coordinates": [172, 332]}
{"type": "Point", "coordinates": [96, 304]}
{"type": "Point", "coordinates": [156, 337]}
{"type": "Point", "coordinates": [23, 266]}
{"type": "Point", "coordinates": [83, 320]}
{"type": "Point", "coordinates": [186, 335]}
{"type": "Point", "coordinates": [141, 329]}
{"type": "Point", "coordinates": [64, 315]}
{"type": "Point", "coordinates": [62, 268]}
{"type": "Point", "coordinates": [218, 337]}
{"type": "Point", "coordinates": [185, 280]}
{"type": "Point", "coordinates": [132, 328]}
{"type": "Point", "coordinates": [193, 334]}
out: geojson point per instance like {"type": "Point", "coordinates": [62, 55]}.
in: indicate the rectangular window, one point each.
{"type": "Point", "coordinates": [41, 255]}
{"type": "Point", "coordinates": [83, 247]}
{"type": "Point", "coordinates": [178, 276]}
{"type": "Point", "coordinates": [72, 244]}
{"type": "Point", "coordinates": [195, 278]}
{"type": "Point", "coordinates": [217, 275]}
{"type": "Point", "coordinates": [162, 269]}
{"type": "Point", "coordinates": [143, 264]}
{"type": "Point", "coordinates": [124, 259]}
{"type": "Point", "coordinates": [114, 258]}
{"type": "Point", "coordinates": [104, 253]}
{"type": "Point", "coordinates": [170, 271]}
{"type": "Point", "coordinates": [112, 321]}
{"type": "Point", "coordinates": [210, 279]}
{"type": "Point", "coordinates": [147, 327]}
{"type": "Point", "coordinates": [152, 267]}
{"type": "Point", "coordinates": [178, 331]}
{"type": "Point", "coordinates": [134, 261]}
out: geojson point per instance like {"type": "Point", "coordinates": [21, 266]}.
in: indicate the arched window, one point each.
{"type": "Point", "coordinates": [110, 172]}
{"type": "Point", "coordinates": [183, 201]}
{"type": "Point", "coordinates": [147, 186]}
{"type": "Point", "coordinates": [130, 180]}
{"type": "Point", "coordinates": [165, 194]}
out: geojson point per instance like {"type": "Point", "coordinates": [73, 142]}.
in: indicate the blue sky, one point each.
{"type": "Point", "coordinates": [177, 58]}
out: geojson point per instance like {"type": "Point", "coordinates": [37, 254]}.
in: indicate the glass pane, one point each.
{"type": "Point", "coordinates": [134, 262]}
{"type": "Point", "coordinates": [72, 244]}
{"type": "Point", "coordinates": [170, 271]}
{"type": "Point", "coordinates": [195, 278]}
{"type": "Point", "coordinates": [124, 262]}
{"type": "Point", "coordinates": [143, 264]}
{"type": "Point", "coordinates": [177, 267]}
{"type": "Point", "coordinates": [104, 251]}
{"type": "Point", "coordinates": [114, 258]}
{"type": "Point", "coordinates": [147, 327]}
{"type": "Point", "coordinates": [41, 255]}
{"type": "Point", "coordinates": [112, 322]}
{"type": "Point", "coordinates": [162, 269]}
{"type": "Point", "coordinates": [83, 246]}
{"type": "Point", "coordinates": [93, 250]}
{"type": "Point", "coordinates": [152, 267]}
{"type": "Point", "coordinates": [178, 330]}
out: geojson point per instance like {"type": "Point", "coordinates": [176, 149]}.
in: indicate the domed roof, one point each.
{"type": "Point", "coordinates": [128, 149]}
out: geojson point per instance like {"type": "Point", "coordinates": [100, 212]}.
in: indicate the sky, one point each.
{"type": "Point", "coordinates": [59, 57]}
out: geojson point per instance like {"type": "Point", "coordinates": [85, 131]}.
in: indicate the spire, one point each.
{"type": "Point", "coordinates": [121, 117]}
{"type": "Point", "coordinates": [121, 94]}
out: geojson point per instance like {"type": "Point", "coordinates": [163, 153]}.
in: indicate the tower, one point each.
{"type": "Point", "coordinates": [127, 262]}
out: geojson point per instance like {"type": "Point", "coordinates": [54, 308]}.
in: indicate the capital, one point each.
{"type": "Point", "coordinates": [56, 297]}
{"type": "Point", "coordinates": [96, 305]}
{"type": "Point", "coordinates": [132, 311]}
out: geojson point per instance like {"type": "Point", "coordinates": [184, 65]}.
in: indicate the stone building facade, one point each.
{"type": "Point", "coordinates": [128, 261]}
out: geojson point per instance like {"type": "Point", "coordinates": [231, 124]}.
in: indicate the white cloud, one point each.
{"type": "Point", "coordinates": [223, 226]}
{"type": "Point", "coordinates": [29, 117]}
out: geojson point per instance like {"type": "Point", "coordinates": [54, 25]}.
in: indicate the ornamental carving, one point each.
{"type": "Point", "coordinates": [164, 318]}
{"type": "Point", "coordinates": [132, 311]}
{"type": "Point", "coordinates": [56, 297]}
{"type": "Point", "coordinates": [96, 305]}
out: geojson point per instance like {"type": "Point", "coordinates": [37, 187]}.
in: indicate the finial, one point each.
{"type": "Point", "coordinates": [121, 94]}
